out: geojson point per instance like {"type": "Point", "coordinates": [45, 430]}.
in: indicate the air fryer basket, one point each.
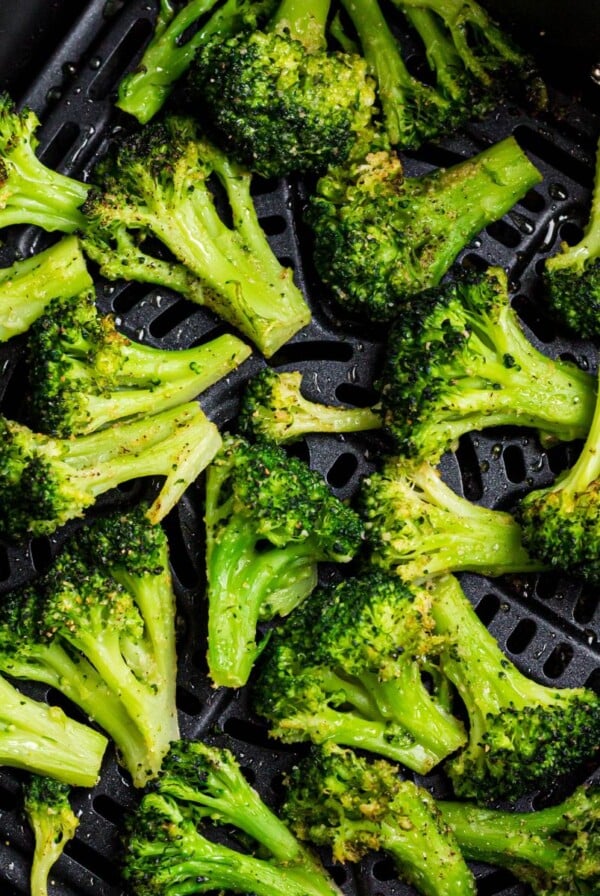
{"type": "Point", "coordinates": [549, 625]}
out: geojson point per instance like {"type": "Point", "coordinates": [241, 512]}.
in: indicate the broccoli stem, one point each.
{"type": "Point", "coordinates": [304, 21]}
{"type": "Point", "coordinates": [588, 248]}
{"type": "Point", "coordinates": [441, 53]}
{"type": "Point", "coordinates": [27, 286]}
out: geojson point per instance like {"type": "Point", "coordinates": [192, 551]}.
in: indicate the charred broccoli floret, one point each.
{"type": "Point", "coordinates": [85, 375]}
{"type": "Point", "coordinates": [53, 822]}
{"type": "Point", "coordinates": [46, 481]}
{"type": "Point", "coordinates": [274, 408]}
{"type": "Point", "coordinates": [380, 237]}
{"type": "Point", "coordinates": [459, 361]}
{"type": "Point", "coordinates": [270, 519]}
{"type": "Point", "coordinates": [417, 527]}
{"type": "Point", "coordinates": [348, 667]}
{"type": "Point", "coordinates": [156, 183]}
{"type": "Point", "coordinates": [338, 799]}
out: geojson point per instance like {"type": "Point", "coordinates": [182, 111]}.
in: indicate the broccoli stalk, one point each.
{"type": "Point", "coordinates": [29, 285]}
{"type": "Point", "coordinates": [53, 822]}
{"type": "Point", "coordinates": [348, 667]}
{"type": "Point", "coordinates": [418, 527]}
{"type": "Point", "coordinates": [337, 799]}
{"type": "Point", "coordinates": [86, 375]}
{"type": "Point", "coordinates": [166, 850]}
{"type": "Point", "coordinates": [459, 361]}
{"type": "Point", "coordinates": [41, 739]}
{"type": "Point", "coordinates": [156, 184]}
{"type": "Point", "coordinates": [269, 520]}
{"type": "Point", "coordinates": [46, 481]}
{"type": "Point", "coordinates": [30, 192]}
{"type": "Point", "coordinates": [554, 850]}
{"type": "Point", "coordinates": [274, 408]}
{"type": "Point", "coordinates": [572, 276]}
{"type": "Point", "coordinates": [522, 734]}
{"type": "Point", "coordinates": [381, 238]}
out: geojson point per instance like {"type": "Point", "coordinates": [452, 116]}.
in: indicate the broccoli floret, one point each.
{"type": "Point", "coordinates": [30, 192]}
{"type": "Point", "coordinates": [53, 822]}
{"type": "Point", "coordinates": [274, 408]}
{"type": "Point", "coordinates": [277, 98]}
{"type": "Point", "coordinates": [338, 799]}
{"type": "Point", "coordinates": [99, 626]}
{"type": "Point", "coordinates": [522, 734]}
{"type": "Point", "coordinates": [554, 850]}
{"type": "Point", "coordinates": [173, 46]}
{"type": "Point", "coordinates": [29, 285]}
{"type": "Point", "coordinates": [347, 667]}
{"type": "Point", "coordinates": [166, 850]}
{"type": "Point", "coordinates": [572, 277]}
{"type": "Point", "coordinates": [459, 361]}
{"type": "Point", "coordinates": [269, 519]}
{"type": "Point", "coordinates": [46, 481]}
{"type": "Point", "coordinates": [380, 238]}
{"type": "Point", "coordinates": [42, 739]}
{"type": "Point", "coordinates": [84, 374]}
{"type": "Point", "coordinates": [417, 527]}
{"type": "Point", "coordinates": [156, 183]}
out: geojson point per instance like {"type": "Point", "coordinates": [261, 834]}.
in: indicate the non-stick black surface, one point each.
{"type": "Point", "coordinates": [66, 66]}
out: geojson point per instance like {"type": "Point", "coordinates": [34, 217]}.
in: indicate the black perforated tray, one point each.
{"type": "Point", "coordinates": [66, 64]}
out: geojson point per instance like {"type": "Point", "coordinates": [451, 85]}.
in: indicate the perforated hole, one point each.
{"type": "Point", "coordinates": [586, 605]}
{"type": "Point", "coordinates": [522, 636]}
{"type": "Point", "coordinates": [559, 660]}
{"type": "Point", "coordinates": [112, 69]}
{"type": "Point", "coordinates": [342, 471]}
{"type": "Point", "coordinates": [487, 608]}
{"type": "Point", "coordinates": [514, 464]}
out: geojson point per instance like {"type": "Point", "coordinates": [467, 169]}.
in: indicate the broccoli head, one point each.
{"type": "Point", "coordinates": [53, 822]}
{"type": "Point", "coordinates": [269, 519]}
{"type": "Point", "coordinates": [380, 237]}
{"type": "Point", "coordinates": [459, 361]}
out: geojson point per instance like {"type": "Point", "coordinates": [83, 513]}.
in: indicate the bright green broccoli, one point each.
{"type": "Point", "coordinates": [572, 276]}
{"type": "Point", "coordinates": [337, 799]}
{"type": "Point", "coordinates": [523, 735]}
{"type": "Point", "coordinates": [46, 481]}
{"type": "Point", "coordinates": [99, 626]}
{"type": "Point", "coordinates": [156, 184]}
{"type": "Point", "coordinates": [270, 520]}
{"type": "Point", "coordinates": [348, 667]}
{"type": "Point", "coordinates": [29, 285]}
{"type": "Point", "coordinates": [166, 850]}
{"type": "Point", "coordinates": [274, 408]}
{"type": "Point", "coordinates": [380, 237]}
{"type": "Point", "coordinates": [30, 192]}
{"type": "Point", "coordinates": [53, 822]}
{"type": "Point", "coordinates": [459, 361]}
{"type": "Point", "coordinates": [277, 98]}
{"type": "Point", "coordinates": [555, 850]}
{"type": "Point", "coordinates": [417, 527]}
{"type": "Point", "coordinates": [84, 374]}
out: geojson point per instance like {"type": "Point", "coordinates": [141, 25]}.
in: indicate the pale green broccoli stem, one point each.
{"type": "Point", "coordinates": [304, 21]}
{"type": "Point", "coordinates": [53, 823]}
{"type": "Point", "coordinates": [442, 56]}
{"type": "Point", "coordinates": [40, 738]}
{"type": "Point", "coordinates": [27, 286]}
{"type": "Point", "coordinates": [588, 248]}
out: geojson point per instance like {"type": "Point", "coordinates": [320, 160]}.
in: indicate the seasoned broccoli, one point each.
{"type": "Point", "coordinates": [29, 285]}
{"type": "Point", "coordinates": [572, 277]}
{"type": "Point", "coordinates": [417, 527]}
{"type": "Point", "coordinates": [277, 98]}
{"type": "Point", "coordinates": [347, 667]}
{"type": "Point", "coordinates": [53, 822]}
{"type": "Point", "coordinates": [459, 361]}
{"type": "Point", "coordinates": [380, 238]}
{"type": "Point", "coordinates": [269, 519]}
{"type": "Point", "coordinates": [84, 374]}
{"type": "Point", "coordinates": [173, 45]}
{"type": "Point", "coordinates": [30, 192]}
{"type": "Point", "coordinates": [522, 734]}
{"type": "Point", "coordinates": [156, 183]}
{"type": "Point", "coordinates": [45, 481]}
{"type": "Point", "coordinates": [166, 850]}
{"type": "Point", "coordinates": [99, 626]}
{"type": "Point", "coordinates": [338, 799]}
{"type": "Point", "coordinates": [554, 850]}
{"type": "Point", "coordinates": [274, 408]}
{"type": "Point", "coordinates": [42, 739]}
